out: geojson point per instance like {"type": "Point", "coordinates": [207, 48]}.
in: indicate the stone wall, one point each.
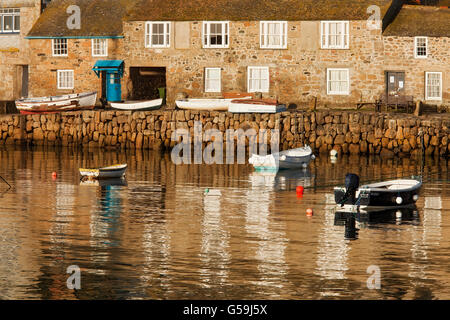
{"type": "Point", "coordinates": [399, 56]}
{"type": "Point", "coordinates": [297, 74]}
{"type": "Point", "coordinates": [44, 66]}
{"type": "Point", "coordinates": [346, 132]}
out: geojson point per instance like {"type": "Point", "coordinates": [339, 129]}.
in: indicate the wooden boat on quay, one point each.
{"type": "Point", "coordinates": [138, 105]}
{"type": "Point", "coordinates": [219, 104]}
{"type": "Point", "coordinates": [54, 104]}
{"type": "Point", "coordinates": [380, 196]}
{"type": "Point", "coordinates": [289, 159]}
{"type": "Point", "coordinates": [111, 172]}
{"type": "Point", "coordinates": [256, 106]}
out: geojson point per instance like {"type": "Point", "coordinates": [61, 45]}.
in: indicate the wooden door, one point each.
{"type": "Point", "coordinates": [395, 83]}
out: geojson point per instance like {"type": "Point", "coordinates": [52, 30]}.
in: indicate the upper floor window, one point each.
{"type": "Point", "coordinates": [338, 81]}
{"type": "Point", "coordinates": [420, 47]}
{"type": "Point", "coordinates": [99, 47]}
{"type": "Point", "coordinates": [157, 34]}
{"type": "Point", "coordinates": [9, 20]}
{"type": "Point", "coordinates": [433, 86]}
{"type": "Point", "coordinates": [273, 34]}
{"type": "Point", "coordinates": [215, 34]}
{"type": "Point", "coordinates": [334, 34]}
{"type": "Point", "coordinates": [59, 47]}
{"type": "Point", "coordinates": [258, 79]}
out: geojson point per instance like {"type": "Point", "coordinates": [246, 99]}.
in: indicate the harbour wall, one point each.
{"type": "Point", "coordinates": [348, 132]}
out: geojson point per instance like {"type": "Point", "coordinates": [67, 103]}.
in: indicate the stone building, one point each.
{"type": "Point", "coordinates": [16, 19]}
{"type": "Point", "coordinates": [417, 53]}
{"type": "Point", "coordinates": [295, 51]}
{"type": "Point", "coordinates": [63, 50]}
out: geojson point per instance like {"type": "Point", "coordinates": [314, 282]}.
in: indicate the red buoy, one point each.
{"type": "Point", "coordinates": [54, 175]}
{"type": "Point", "coordinates": [309, 212]}
{"type": "Point", "coordinates": [300, 190]}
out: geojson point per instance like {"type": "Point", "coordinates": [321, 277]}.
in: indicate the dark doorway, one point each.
{"type": "Point", "coordinates": [395, 83]}
{"type": "Point", "coordinates": [146, 81]}
{"type": "Point", "coordinates": [24, 91]}
{"type": "Point", "coordinates": [103, 97]}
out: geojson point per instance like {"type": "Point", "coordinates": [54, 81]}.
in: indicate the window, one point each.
{"type": "Point", "coordinates": [258, 79]}
{"type": "Point", "coordinates": [338, 81]}
{"type": "Point", "coordinates": [420, 47]}
{"type": "Point", "coordinates": [157, 34]}
{"type": "Point", "coordinates": [99, 47]}
{"type": "Point", "coordinates": [59, 47]}
{"type": "Point", "coordinates": [433, 86]}
{"type": "Point", "coordinates": [215, 34]}
{"type": "Point", "coordinates": [273, 34]}
{"type": "Point", "coordinates": [65, 79]}
{"type": "Point", "coordinates": [213, 80]}
{"type": "Point", "coordinates": [9, 20]}
{"type": "Point", "coordinates": [334, 34]}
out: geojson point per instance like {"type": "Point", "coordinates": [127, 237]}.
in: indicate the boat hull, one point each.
{"type": "Point", "coordinates": [378, 198]}
{"type": "Point", "coordinates": [138, 105]}
{"type": "Point", "coordinates": [112, 172]}
{"type": "Point", "coordinates": [289, 159]}
{"type": "Point", "coordinates": [70, 102]}
{"type": "Point", "coordinates": [206, 104]}
{"type": "Point", "coordinates": [256, 108]}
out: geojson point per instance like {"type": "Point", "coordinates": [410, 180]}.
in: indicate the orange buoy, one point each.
{"type": "Point", "coordinates": [300, 190]}
{"type": "Point", "coordinates": [309, 212]}
{"type": "Point", "coordinates": [54, 175]}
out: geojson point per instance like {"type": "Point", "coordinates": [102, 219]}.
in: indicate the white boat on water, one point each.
{"type": "Point", "coordinates": [256, 106]}
{"type": "Point", "coordinates": [289, 159]}
{"type": "Point", "coordinates": [137, 105]}
{"type": "Point", "coordinates": [115, 171]}
{"type": "Point", "coordinates": [52, 104]}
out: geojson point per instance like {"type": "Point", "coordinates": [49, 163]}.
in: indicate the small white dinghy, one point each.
{"type": "Point", "coordinates": [221, 104]}
{"type": "Point", "coordinates": [115, 171]}
{"type": "Point", "coordinates": [289, 159]}
{"type": "Point", "coordinates": [138, 105]}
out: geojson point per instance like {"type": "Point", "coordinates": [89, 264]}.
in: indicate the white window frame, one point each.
{"type": "Point", "coordinates": [440, 86]}
{"type": "Point", "coordinates": [206, 34]}
{"type": "Point", "coordinates": [101, 46]}
{"type": "Point", "coordinates": [260, 89]}
{"type": "Point", "coordinates": [53, 48]}
{"type": "Point", "coordinates": [264, 35]}
{"type": "Point", "coordinates": [14, 14]}
{"type": "Point", "coordinates": [338, 93]}
{"type": "Point", "coordinates": [149, 34]}
{"type": "Point", "coordinates": [325, 36]}
{"type": "Point", "coordinates": [416, 55]}
{"type": "Point", "coordinates": [211, 89]}
{"type": "Point", "coordinates": [58, 82]}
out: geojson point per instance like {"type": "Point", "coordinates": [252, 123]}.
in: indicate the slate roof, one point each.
{"type": "Point", "coordinates": [420, 21]}
{"type": "Point", "coordinates": [253, 10]}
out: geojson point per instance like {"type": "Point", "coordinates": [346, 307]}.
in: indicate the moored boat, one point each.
{"type": "Point", "coordinates": [289, 159]}
{"type": "Point", "coordinates": [53, 104]}
{"type": "Point", "coordinates": [378, 196]}
{"type": "Point", "coordinates": [220, 104]}
{"type": "Point", "coordinates": [256, 106]}
{"type": "Point", "coordinates": [115, 171]}
{"type": "Point", "coordinates": [138, 105]}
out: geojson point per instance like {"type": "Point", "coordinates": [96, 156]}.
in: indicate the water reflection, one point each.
{"type": "Point", "coordinates": [156, 235]}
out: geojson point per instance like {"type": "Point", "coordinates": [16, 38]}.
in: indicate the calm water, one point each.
{"type": "Point", "coordinates": [159, 237]}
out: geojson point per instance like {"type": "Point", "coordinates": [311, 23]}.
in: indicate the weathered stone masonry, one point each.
{"type": "Point", "coordinates": [347, 132]}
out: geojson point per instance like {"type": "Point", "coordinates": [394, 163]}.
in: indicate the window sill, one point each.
{"type": "Point", "coordinates": [9, 33]}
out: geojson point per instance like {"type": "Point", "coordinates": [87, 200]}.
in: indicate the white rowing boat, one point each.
{"type": "Point", "coordinates": [137, 105]}
{"type": "Point", "coordinates": [115, 171]}
{"type": "Point", "coordinates": [221, 104]}
{"type": "Point", "coordinates": [289, 159]}
{"type": "Point", "coordinates": [52, 104]}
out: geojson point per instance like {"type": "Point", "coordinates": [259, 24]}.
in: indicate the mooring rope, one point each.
{"type": "Point", "coordinates": [6, 182]}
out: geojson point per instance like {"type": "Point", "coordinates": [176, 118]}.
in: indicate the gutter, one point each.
{"type": "Point", "coordinates": [74, 37]}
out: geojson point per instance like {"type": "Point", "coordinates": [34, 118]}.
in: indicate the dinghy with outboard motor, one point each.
{"type": "Point", "coordinates": [378, 196]}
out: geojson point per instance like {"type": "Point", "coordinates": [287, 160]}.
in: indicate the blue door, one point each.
{"type": "Point", "coordinates": [113, 87]}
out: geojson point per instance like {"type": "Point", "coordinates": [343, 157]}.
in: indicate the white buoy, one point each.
{"type": "Point", "coordinates": [333, 153]}
{"type": "Point", "coordinates": [399, 200]}
{"type": "Point", "coordinates": [415, 197]}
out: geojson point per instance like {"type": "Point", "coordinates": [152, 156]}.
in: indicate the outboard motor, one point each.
{"type": "Point", "coordinates": [351, 185]}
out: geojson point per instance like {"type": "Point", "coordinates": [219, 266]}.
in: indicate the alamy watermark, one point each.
{"type": "Point", "coordinates": [213, 153]}
{"type": "Point", "coordinates": [74, 280]}
{"type": "Point", "coordinates": [374, 281]}
{"type": "Point", "coordinates": [74, 20]}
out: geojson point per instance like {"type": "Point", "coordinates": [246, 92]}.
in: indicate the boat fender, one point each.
{"type": "Point", "coordinates": [399, 200]}
{"type": "Point", "coordinates": [415, 197]}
